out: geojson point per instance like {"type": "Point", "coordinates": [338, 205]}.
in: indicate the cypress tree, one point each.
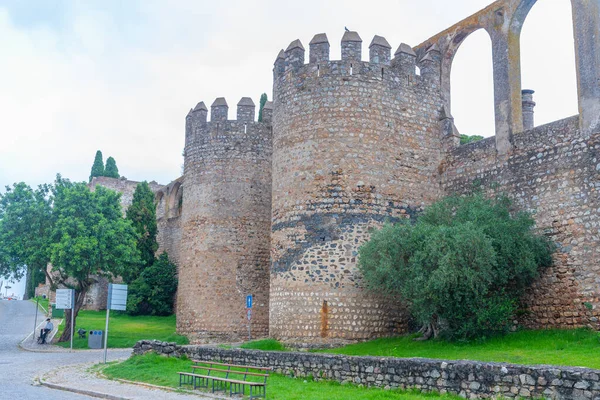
{"type": "Point", "coordinates": [98, 167]}
{"type": "Point", "coordinates": [263, 101]}
{"type": "Point", "coordinates": [111, 169]}
{"type": "Point", "coordinates": [142, 214]}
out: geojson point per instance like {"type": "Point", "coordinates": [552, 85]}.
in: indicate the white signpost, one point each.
{"type": "Point", "coordinates": [116, 300]}
{"type": "Point", "coordinates": [65, 300]}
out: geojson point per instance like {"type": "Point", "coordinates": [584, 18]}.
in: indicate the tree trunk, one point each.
{"type": "Point", "coordinates": [79, 297]}
{"type": "Point", "coordinates": [28, 283]}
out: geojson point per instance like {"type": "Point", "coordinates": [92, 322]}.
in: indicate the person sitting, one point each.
{"type": "Point", "coordinates": [47, 329]}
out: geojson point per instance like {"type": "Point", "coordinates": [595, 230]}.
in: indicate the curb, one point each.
{"type": "Point", "coordinates": [166, 388]}
{"type": "Point", "coordinates": [81, 391]}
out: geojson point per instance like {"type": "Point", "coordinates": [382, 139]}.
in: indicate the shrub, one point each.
{"type": "Point", "coordinates": [461, 267]}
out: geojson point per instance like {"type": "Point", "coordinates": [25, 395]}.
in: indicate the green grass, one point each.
{"type": "Point", "coordinates": [124, 330]}
{"type": "Point", "coordinates": [577, 347]}
{"type": "Point", "coordinates": [158, 370]}
{"type": "Point", "coordinates": [264, 344]}
{"type": "Point", "coordinates": [43, 302]}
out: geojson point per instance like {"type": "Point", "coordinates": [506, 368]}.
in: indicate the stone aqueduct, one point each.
{"type": "Point", "coordinates": [279, 208]}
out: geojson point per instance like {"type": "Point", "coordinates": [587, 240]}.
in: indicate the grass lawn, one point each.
{"type": "Point", "coordinates": [264, 344]}
{"type": "Point", "coordinates": [578, 347]}
{"type": "Point", "coordinates": [159, 370]}
{"type": "Point", "coordinates": [124, 330]}
{"type": "Point", "coordinates": [43, 302]}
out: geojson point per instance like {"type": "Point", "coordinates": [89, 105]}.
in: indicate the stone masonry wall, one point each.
{"type": "Point", "coordinates": [225, 222]}
{"type": "Point", "coordinates": [553, 173]}
{"type": "Point", "coordinates": [354, 144]}
{"type": "Point", "coordinates": [123, 186]}
{"type": "Point", "coordinates": [469, 379]}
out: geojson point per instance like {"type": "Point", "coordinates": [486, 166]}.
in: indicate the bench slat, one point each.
{"type": "Point", "coordinates": [231, 371]}
{"type": "Point", "coordinates": [233, 365]}
{"type": "Point", "coordinates": [216, 378]}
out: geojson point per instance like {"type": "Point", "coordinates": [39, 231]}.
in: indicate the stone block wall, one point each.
{"type": "Point", "coordinates": [354, 144]}
{"type": "Point", "coordinates": [469, 379]}
{"type": "Point", "coordinates": [553, 172]}
{"type": "Point", "coordinates": [225, 222]}
{"type": "Point", "coordinates": [123, 186]}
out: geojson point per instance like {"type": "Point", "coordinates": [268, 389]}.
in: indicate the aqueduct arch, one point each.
{"type": "Point", "coordinates": [503, 21]}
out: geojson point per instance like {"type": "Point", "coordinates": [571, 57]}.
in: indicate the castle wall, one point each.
{"type": "Point", "coordinates": [123, 186]}
{"type": "Point", "coordinates": [354, 144]}
{"type": "Point", "coordinates": [552, 172]}
{"type": "Point", "coordinates": [225, 224]}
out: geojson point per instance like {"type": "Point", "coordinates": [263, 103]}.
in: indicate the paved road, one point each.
{"type": "Point", "coordinates": [18, 368]}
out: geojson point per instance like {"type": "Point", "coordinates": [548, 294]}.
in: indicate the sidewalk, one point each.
{"type": "Point", "coordinates": [76, 378]}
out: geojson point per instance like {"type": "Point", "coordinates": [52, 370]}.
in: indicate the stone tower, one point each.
{"type": "Point", "coordinates": [224, 252]}
{"type": "Point", "coordinates": [354, 144]}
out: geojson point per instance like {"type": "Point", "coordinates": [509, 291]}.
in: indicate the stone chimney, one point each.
{"type": "Point", "coordinates": [528, 105]}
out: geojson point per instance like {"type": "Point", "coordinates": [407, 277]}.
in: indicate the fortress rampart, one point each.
{"type": "Point", "coordinates": [279, 208]}
{"type": "Point", "coordinates": [225, 223]}
{"type": "Point", "coordinates": [552, 172]}
{"type": "Point", "coordinates": [354, 144]}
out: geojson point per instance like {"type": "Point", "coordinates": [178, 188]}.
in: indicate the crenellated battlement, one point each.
{"type": "Point", "coordinates": [380, 65]}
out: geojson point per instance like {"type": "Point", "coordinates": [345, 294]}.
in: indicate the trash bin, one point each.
{"type": "Point", "coordinates": [96, 339]}
{"type": "Point", "coordinates": [57, 312]}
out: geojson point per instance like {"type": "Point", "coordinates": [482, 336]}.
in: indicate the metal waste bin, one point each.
{"type": "Point", "coordinates": [96, 339]}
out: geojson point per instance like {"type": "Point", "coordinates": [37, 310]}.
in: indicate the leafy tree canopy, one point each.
{"type": "Point", "coordinates": [26, 221]}
{"type": "Point", "coordinates": [461, 267]}
{"type": "Point", "coordinates": [90, 238]}
{"type": "Point", "coordinates": [153, 292]}
{"type": "Point", "coordinates": [111, 169]}
{"type": "Point", "coordinates": [142, 214]}
{"type": "Point", "coordinates": [98, 166]}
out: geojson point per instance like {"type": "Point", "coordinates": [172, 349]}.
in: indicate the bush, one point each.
{"type": "Point", "coordinates": [461, 267]}
{"type": "Point", "coordinates": [153, 292]}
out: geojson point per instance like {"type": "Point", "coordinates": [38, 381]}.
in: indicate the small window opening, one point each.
{"type": "Point", "coordinates": [318, 71]}
{"type": "Point", "coordinates": [382, 73]}
{"type": "Point", "coordinates": [350, 69]}
{"type": "Point", "coordinates": [245, 128]}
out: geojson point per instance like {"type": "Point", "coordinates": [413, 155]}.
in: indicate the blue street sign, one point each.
{"type": "Point", "coordinates": [249, 301]}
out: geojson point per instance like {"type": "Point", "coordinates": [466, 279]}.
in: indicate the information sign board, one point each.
{"type": "Point", "coordinates": [65, 299]}
{"type": "Point", "coordinates": [117, 297]}
{"type": "Point", "coordinates": [249, 301]}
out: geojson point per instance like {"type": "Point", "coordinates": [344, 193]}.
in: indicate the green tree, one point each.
{"type": "Point", "coordinates": [153, 292]}
{"type": "Point", "coordinates": [98, 166]}
{"type": "Point", "coordinates": [263, 101]}
{"type": "Point", "coordinates": [461, 268]}
{"type": "Point", "coordinates": [111, 169]}
{"type": "Point", "coordinates": [464, 139]}
{"type": "Point", "coordinates": [90, 238]}
{"type": "Point", "coordinates": [142, 214]}
{"type": "Point", "coordinates": [26, 221]}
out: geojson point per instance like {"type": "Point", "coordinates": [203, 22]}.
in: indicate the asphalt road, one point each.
{"type": "Point", "coordinates": [18, 368]}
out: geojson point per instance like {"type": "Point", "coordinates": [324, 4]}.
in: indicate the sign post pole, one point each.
{"type": "Point", "coordinates": [106, 332]}
{"type": "Point", "coordinates": [37, 305]}
{"type": "Point", "coordinates": [65, 299]}
{"type": "Point", "coordinates": [72, 315]}
{"type": "Point", "coordinates": [116, 300]}
{"type": "Point", "coordinates": [249, 314]}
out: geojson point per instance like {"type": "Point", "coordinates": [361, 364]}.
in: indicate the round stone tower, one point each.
{"type": "Point", "coordinates": [224, 253]}
{"type": "Point", "coordinates": [355, 144]}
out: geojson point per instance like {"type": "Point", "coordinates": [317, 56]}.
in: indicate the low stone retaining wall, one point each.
{"type": "Point", "coordinates": [469, 379]}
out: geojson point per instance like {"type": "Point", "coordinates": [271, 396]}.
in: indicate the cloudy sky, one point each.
{"type": "Point", "coordinates": [120, 76]}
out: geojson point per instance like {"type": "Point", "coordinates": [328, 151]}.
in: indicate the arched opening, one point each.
{"type": "Point", "coordinates": [160, 205]}
{"type": "Point", "coordinates": [175, 200]}
{"type": "Point", "coordinates": [472, 87]}
{"type": "Point", "coordinates": [548, 60]}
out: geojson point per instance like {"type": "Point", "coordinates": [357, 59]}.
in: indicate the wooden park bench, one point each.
{"type": "Point", "coordinates": [220, 377]}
